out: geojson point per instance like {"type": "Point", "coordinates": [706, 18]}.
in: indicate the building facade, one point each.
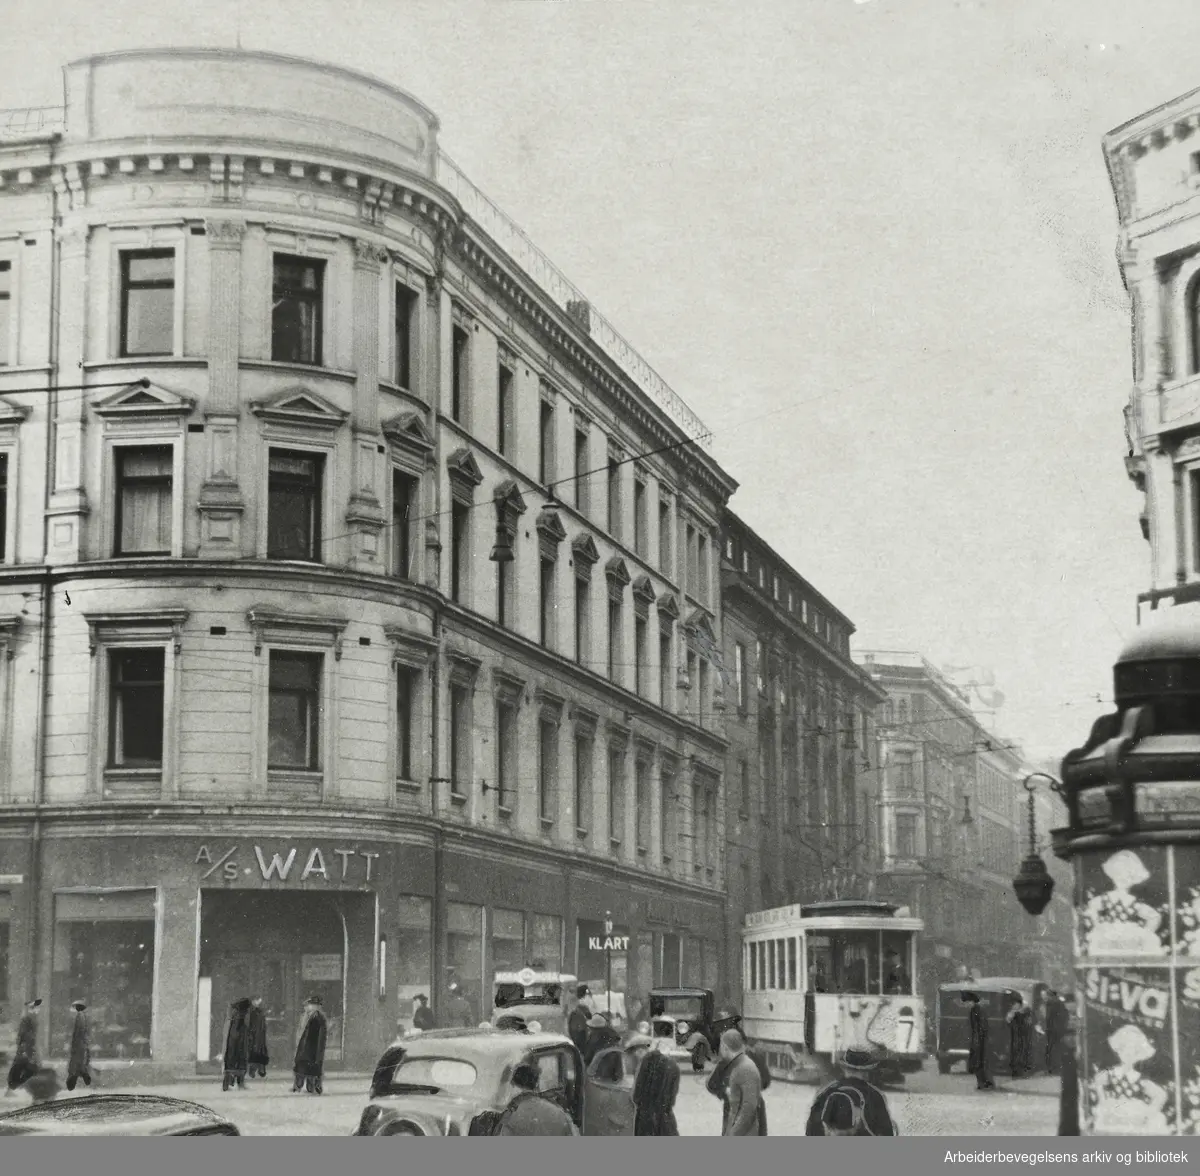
{"type": "Point", "coordinates": [1154, 166]}
{"type": "Point", "coordinates": [359, 587]}
{"type": "Point", "coordinates": [953, 829]}
{"type": "Point", "coordinates": [799, 715]}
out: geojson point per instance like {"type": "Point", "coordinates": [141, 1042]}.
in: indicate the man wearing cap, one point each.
{"type": "Point", "coordinates": [977, 1049]}
{"type": "Point", "coordinates": [423, 1014]}
{"type": "Point", "coordinates": [600, 1035]}
{"type": "Point", "coordinates": [530, 1112]}
{"type": "Point", "coordinates": [309, 1065]}
{"type": "Point", "coordinates": [79, 1060]}
{"type": "Point", "coordinates": [577, 1018]}
{"type": "Point", "coordinates": [25, 1056]}
{"type": "Point", "coordinates": [851, 1105]}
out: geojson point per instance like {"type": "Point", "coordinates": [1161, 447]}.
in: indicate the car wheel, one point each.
{"type": "Point", "coordinates": [400, 1129]}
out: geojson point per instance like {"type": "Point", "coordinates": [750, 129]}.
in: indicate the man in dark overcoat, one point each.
{"type": "Point", "coordinates": [237, 1043]}
{"type": "Point", "coordinates": [977, 1048]}
{"type": "Point", "coordinates": [1056, 1030]}
{"type": "Point", "coordinates": [309, 1065]}
{"type": "Point", "coordinates": [423, 1015]}
{"type": "Point", "coordinates": [256, 1040]}
{"type": "Point", "coordinates": [79, 1061]}
{"type": "Point", "coordinates": [25, 1056]}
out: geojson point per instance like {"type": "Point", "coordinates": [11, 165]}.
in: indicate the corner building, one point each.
{"type": "Point", "coordinates": [277, 383]}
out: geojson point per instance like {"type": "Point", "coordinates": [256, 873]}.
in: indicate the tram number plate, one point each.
{"type": "Point", "coordinates": [908, 1027]}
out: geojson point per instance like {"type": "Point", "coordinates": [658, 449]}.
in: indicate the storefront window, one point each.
{"type": "Point", "coordinates": [104, 954]}
{"type": "Point", "coordinates": [693, 965]}
{"type": "Point", "coordinates": [411, 954]}
{"type": "Point", "coordinates": [645, 962]}
{"type": "Point", "coordinates": [545, 942]}
{"type": "Point", "coordinates": [712, 964]}
{"type": "Point", "coordinates": [508, 941]}
{"type": "Point", "coordinates": [464, 952]}
{"type": "Point", "coordinates": [671, 948]}
{"type": "Point", "coordinates": [5, 915]}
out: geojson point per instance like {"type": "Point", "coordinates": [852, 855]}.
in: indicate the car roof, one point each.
{"type": "Point", "coordinates": [681, 992]}
{"type": "Point", "coordinates": [485, 1044]}
{"type": "Point", "coordinates": [994, 984]}
{"type": "Point", "coordinates": [106, 1111]}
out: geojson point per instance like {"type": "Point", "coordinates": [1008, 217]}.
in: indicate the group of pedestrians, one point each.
{"type": "Point", "coordinates": [246, 1054]}
{"type": "Point", "coordinates": [1020, 1022]}
{"type": "Point", "coordinates": [26, 1071]}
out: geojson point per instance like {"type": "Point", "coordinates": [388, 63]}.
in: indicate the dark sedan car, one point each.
{"type": "Point", "coordinates": [116, 1114]}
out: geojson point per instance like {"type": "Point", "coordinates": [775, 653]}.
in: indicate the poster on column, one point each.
{"type": "Point", "coordinates": [1187, 1006]}
{"type": "Point", "coordinates": [1122, 906]}
{"type": "Point", "coordinates": [1130, 1059]}
{"type": "Point", "coordinates": [1187, 903]}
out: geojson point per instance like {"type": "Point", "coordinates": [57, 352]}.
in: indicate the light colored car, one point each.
{"type": "Point", "coordinates": [437, 1083]}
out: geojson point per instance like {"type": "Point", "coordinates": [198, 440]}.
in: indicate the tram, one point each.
{"type": "Point", "coordinates": [824, 977]}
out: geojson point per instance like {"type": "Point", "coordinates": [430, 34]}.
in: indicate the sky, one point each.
{"type": "Point", "coordinates": [869, 242]}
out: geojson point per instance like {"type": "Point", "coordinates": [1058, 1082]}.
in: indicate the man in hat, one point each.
{"type": "Point", "coordinates": [25, 1056]}
{"type": "Point", "coordinates": [977, 1047]}
{"type": "Point", "coordinates": [79, 1060]}
{"type": "Point", "coordinates": [600, 1035]}
{"type": "Point", "coordinates": [530, 1112]}
{"type": "Point", "coordinates": [577, 1018]}
{"type": "Point", "coordinates": [1056, 1030]}
{"type": "Point", "coordinates": [423, 1014]}
{"type": "Point", "coordinates": [309, 1065]}
{"type": "Point", "coordinates": [237, 1045]}
{"type": "Point", "coordinates": [851, 1104]}
{"type": "Point", "coordinates": [256, 1040]}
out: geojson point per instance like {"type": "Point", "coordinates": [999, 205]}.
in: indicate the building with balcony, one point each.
{"type": "Point", "coordinates": [1154, 166]}
{"type": "Point", "coordinates": [358, 589]}
{"type": "Point", "coordinates": [799, 715]}
{"type": "Point", "coordinates": [952, 821]}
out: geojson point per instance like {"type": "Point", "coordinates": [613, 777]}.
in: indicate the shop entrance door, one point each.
{"type": "Point", "coordinates": [276, 979]}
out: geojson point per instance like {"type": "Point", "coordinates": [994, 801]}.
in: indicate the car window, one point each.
{"type": "Point", "coordinates": [550, 1072]}
{"type": "Point", "coordinates": [439, 1072]}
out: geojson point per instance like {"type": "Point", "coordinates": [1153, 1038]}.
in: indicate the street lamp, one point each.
{"type": "Point", "coordinates": [1033, 884]}
{"type": "Point", "coordinates": [608, 930]}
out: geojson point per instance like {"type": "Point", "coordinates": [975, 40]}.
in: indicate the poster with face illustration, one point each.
{"type": "Point", "coordinates": [1187, 903]}
{"type": "Point", "coordinates": [1122, 906]}
{"type": "Point", "coordinates": [1187, 1005]}
{"type": "Point", "coordinates": [1128, 1051]}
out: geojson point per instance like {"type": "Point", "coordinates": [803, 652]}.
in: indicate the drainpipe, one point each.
{"type": "Point", "coordinates": [436, 953]}
{"type": "Point", "coordinates": [34, 881]}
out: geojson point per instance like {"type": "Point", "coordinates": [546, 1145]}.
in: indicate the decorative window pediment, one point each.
{"type": "Point", "coordinates": [300, 406]}
{"type": "Point", "coordinates": [408, 431]}
{"type": "Point", "coordinates": [584, 719]}
{"type": "Point", "coordinates": [140, 625]}
{"type": "Point", "coordinates": [464, 667]}
{"type": "Point", "coordinates": [668, 608]}
{"type": "Point", "coordinates": [551, 533]}
{"type": "Point", "coordinates": [509, 688]}
{"type": "Point", "coordinates": [643, 590]}
{"type": "Point", "coordinates": [142, 399]}
{"type": "Point", "coordinates": [8, 635]}
{"type": "Point", "coordinates": [584, 551]}
{"type": "Point", "coordinates": [617, 572]}
{"type": "Point", "coordinates": [550, 705]}
{"type": "Point", "coordinates": [465, 474]}
{"type": "Point", "coordinates": [12, 414]}
{"type": "Point", "coordinates": [409, 648]}
{"type": "Point", "coordinates": [267, 623]}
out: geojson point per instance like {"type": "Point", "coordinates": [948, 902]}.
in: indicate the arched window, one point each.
{"type": "Point", "coordinates": [1193, 325]}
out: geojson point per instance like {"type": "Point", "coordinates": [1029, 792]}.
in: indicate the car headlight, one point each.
{"type": "Point", "coordinates": [682, 1028]}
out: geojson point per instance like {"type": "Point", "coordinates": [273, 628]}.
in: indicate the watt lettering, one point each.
{"type": "Point", "coordinates": [281, 867]}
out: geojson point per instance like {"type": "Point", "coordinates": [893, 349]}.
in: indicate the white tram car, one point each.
{"type": "Point", "coordinates": [824, 977]}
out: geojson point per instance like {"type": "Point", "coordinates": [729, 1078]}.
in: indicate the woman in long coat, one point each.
{"type": "Point", "coordinates": [237, 1045]}
{"type": "Point", "coordinates": [309, 1065]}
{"type": "Point", "coordinates": [256, 1040]}
{"type": "Point", "coordinates": [79, 1061]}
{"type": "Point", "coordinates": [654, 1093]}
{"type": "Point", "coordinates": [25, 1056]}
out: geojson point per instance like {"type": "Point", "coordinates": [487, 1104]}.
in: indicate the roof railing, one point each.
{"type": "Point", "coordinates": [31, 120]}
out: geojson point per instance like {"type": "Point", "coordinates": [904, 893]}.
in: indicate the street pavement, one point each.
{"type": "Point", "coordinates": [929, 1104]}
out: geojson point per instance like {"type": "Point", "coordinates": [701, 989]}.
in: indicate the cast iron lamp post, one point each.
{"type": "Point", "coordinates": [1033, 884]}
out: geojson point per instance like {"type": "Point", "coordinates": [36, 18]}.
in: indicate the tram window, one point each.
{"type": "Point", "coordinates": [820, 963]}
{"type": "Point", "coordinates": [763, 981]}
{"type": "Point", "coordinates": [855, 962]}
{"type": "Point", "coordinates": [791, 954]}
{"type": "Point", "coordinates": [771, 963]}
{"type": "Point", "coordinates": [897, 978]}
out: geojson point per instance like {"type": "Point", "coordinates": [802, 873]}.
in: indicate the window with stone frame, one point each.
{"type": "Point", "coordinates": [294, 710]}
{"type": "Point", "coordinates": [585, 750]}
{"type": "Point", "coordinates": [614, 637]}
{"type": "Point", "coordinates": [406, 496]}
{"type": "Point", "coordinates": [549, 720]}
{"type": "Point", "coordinates": [144, 478]}
{"type": "Point", "coordinates": [642, 807]}
{"type": "Point", "coordinates": [669, 802]}
{"type": "Point", "coordinates": [460, 371]}
{"type": "Point", "coordinates": [613, 520]}
{"type": "Point", "coordinates": [407, 684]}
{"type": "Point", "coordinates": [295, 489]}
{"type": "Point", "coordinates": [463, 674]}
{"type": "Point", "coordinates": [581, 471]}
{"type": "Point", "coordinates": [505, 405]}
{"type": "Point", "coordinates": [641, 520]}
{"type": "Point", "coordinates": [3, 507]}
{"type": "Point", "coordinates": [906, 836]}
{"type": "Point", "coordinates": [546, 446]}
{"type": "Point", "coordinates": [666, 667]}
{"type": "Point", "coordinates": [137, 682]}
{"type": "Point", "coordinates": [147, 302]}
{"type": "Point", "coordinates": [6, 311]}
{"type": "Point", "coordinates": [297, 309]}
{"type": "Point", "coordinates": [465, 478]}
{"type": "Point", "coordinates": [506, 753]}
{"type": "Point", "coordinates": [405, 335]}
{"type": "Point", "coordinates": [665, 516]}
{"type": "Point", "coordinates": [616, 793]}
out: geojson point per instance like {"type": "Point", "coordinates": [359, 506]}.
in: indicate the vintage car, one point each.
{"type": "Point", "coordinates": [115, 1114]}
{"type": "Point", "coordinates": [532, 995]}
{"type": "Point", "coordinates": [996, 1000]}
{"type": "Point", "coordinates": [437, 1083]}
{"type": "Point", "coordinates": [683, 1024]}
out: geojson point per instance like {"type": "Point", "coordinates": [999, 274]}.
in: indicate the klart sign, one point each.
{"type": "Point", "coordinates": [608, 943]}
{"type": "Point", "coordinates": [340, 866]}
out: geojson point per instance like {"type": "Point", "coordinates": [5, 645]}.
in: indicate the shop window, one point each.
{"type": "Point", "coordinates": [459, 351]}
{"type": "Point", "coordinates": [584, 750]}
{"type": "Point", "coordinates": [148, 302]}
{"type": "Point", "coordinates": [412, 958]}
{"type": "Point", "coordinates": [508, 941]}
{"type": "Point", "coordinates": [671, 952]}
{"type": "Point", "coordinates": [294, 711]}
{"type": "Point", "coordinates": [298, 287]}
{"type": "Point", "coordinates": [6, 315]}
{"type": "Point", "coordinates": [460, 738]}
{"type": "Point", "coordinates": [405, 327]}
{"type": "Point", "coordinates": [504, 410]}
{"type": "Point", "coordinates": [405, 490]}
{"type": "Point", "coordinates": [143, 507]}
{"type": "Point", "coordinates": [136, 696]}
{"type": "Point", "coordinates": [581, 471]}
{"type": "Point", "coordinates": [464, 953]}
{"type": "Point", "coordinates": [406, 689]}
{"type": "Point", "coordinates": [545, 942]}
{"type": "Point", "coordinates": [104, 947]}
{"type": "Point", "coordinates": [294, 490]}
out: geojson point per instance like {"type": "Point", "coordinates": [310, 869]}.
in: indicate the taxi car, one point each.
{"type": "Point", "coordinates": [435, 1084]}
{"type": "Point", "coordinates": [116, 1114]}
{"type": "Point", "coordinates": [684, 1024]}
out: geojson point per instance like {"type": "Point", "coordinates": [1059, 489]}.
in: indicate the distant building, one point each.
{"type": "Point", "coordinates": [801, 785]}
{"type": "Point", "coordinates": [953, 827]}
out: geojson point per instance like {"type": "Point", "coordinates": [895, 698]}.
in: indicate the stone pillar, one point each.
{"type": "Point", "coordinates": [68, 507]}
{"type": "Point", "coordinates": [221, 505]}
{"type": "Point", "coordinates": [364, 516]}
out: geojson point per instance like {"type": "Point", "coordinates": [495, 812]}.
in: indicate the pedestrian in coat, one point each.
{"type": "Point", "coordinates": [458, 1011]}
{"type": "Point", "coordinates": [531, 1113]}
{"type": "Point", "coordinates": [237, 1045]}
{"type": "Point", "coordinates": [654, 1092]}
{"type": "Point", "coordinates": [257, 1056]}
{"type": "Point", "coordinates": [600, 1035]}
{"type": "Point", "coordinates": [1020, 1036]}
{"type": "Point", "coordinates": [309, 1065]}
{"type": "Point", "coordinates": [79, 1060]}
{"type": "Point", "coordinates": [852, 1104]}
{"type": "Point", "coordinates": [977, 1049]}
{"type": "Point", "coordinates": [25, 1056]}
{"type": "Point", "coordinates": [1068, 1107]}
{"type": "Point", "coordinates": [743, 1112]}
{"type": "Point", "coordinates": [1056, 1030]}
{"type": "Point", "coordinates": [577, 1018]}
{"type": "Point", "coordinates": [423, 1014]}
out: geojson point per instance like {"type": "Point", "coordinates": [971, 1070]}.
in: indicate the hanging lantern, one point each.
{"type": "Point", "coordinates": [502, 551]}
{"type": "Point", "coordinates": [1033, 885]}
